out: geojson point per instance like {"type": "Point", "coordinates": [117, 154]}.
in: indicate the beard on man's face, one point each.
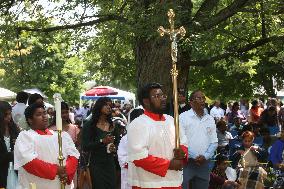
{"type": "Point", "coordinates": [158, 110]}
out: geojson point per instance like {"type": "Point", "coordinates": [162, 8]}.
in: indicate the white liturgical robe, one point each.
{"type": "Point", "coordinates": [30, 145]}
{"type": "Point", "coordinates": [148, 137]}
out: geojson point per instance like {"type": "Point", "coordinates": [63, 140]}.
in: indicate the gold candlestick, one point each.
{"type": "Point", "coordinates": [60, 154]}
{"type": "Point", "coordinates": [173, 33]}
{"type": "Point", "coordinates": [57, 102]}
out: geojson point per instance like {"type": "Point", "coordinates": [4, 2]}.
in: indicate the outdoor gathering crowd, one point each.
{"type": "Point", "coordinates": [109, 145]}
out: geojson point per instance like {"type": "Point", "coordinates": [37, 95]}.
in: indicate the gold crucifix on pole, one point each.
{"type": "Point", "coordinates": [173, 33]}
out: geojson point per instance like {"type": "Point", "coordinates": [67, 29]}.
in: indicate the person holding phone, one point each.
{"type": "Point", "coordinates": [99, 138]}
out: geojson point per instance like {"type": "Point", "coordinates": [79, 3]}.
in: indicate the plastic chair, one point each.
{"type": "Point", "coordinates": [258, 141]}
{"type": "Point", "coordinates": [233, 144]}
{"type": "Point", "coordinates": [273, 130]}
{"type": "Point", "coordinates": [234, 133]}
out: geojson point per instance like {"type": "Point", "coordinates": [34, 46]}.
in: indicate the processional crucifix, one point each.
{"type": "Point", "coordinates": [173, 33]}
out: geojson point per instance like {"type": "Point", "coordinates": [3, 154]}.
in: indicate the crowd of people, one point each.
{"type": "Point", "coordinates": [108, 145]}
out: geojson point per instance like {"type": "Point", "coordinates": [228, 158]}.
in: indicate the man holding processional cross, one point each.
{"type": "Point", "coordinates": [157, 148]}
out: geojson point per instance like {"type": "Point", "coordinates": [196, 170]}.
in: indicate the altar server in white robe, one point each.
{"type": "Point", "coordinates": [153, 160]}
{"type": "Point", "coordinates": [36, 153]}
{"type": "Point", "coordinates": [122, 151]}
{"type": "Point", "coordinates": [123, 162]}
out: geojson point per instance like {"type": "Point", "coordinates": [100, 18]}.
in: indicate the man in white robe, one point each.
{"type": "Point", "coordinates": [153, 160]}
{"type": "Point", "coordinates": [123, 162]}
{"type": "Point", "coordinates": [122, 151]}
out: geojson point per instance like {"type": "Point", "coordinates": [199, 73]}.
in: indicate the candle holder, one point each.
{"type": "Point", "coordinates": [57, 102]}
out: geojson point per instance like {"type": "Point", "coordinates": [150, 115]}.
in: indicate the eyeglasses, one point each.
{"type": "Point", "coordinates": [200, 98]}
{"type": "Point", "coordinates": [160, 96]}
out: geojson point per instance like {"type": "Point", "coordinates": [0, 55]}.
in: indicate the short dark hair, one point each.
{"type": "Point", "coordinates": [181, 91]}
{"type": "Point", "coordinates": [22, 97]}
{"type": "Point", "coordinates": [254, 102]}
{"type": "Point", "coordinates": [30, 110]}
{"type": "Point", "coordinates": [272, 109]}
{"type": "Point", "coordinates": [221, 123]}
{"type": "Point", "coordinates": [136, 113]}
{"type": "Point", "coordinates": [144, 92]}
{"type": "Point", "coordinates": [192, 95]}
{"type": "Point", "coordinates": [64, 106]}
{"type": "Point", "coordinates": [221, 158]}
{"type": "Point", "coordinates": [33, 98]}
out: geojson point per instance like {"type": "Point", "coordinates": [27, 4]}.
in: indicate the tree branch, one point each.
{"type": "Point", "coordinates": [205, 9]}
{"type": "Point", "coordinates": [258, 43]}
{"type": "Point", "coordinates": [209, 22]}
{"type": "Point", "coordinates": [6, 5]}
{"type": "Point", "coordinates": [122, 7]}
{"type": "Point", "coordinates": [75, 26]}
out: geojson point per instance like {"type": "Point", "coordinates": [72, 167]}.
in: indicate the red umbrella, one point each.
{"type": "Point", "coordinates": [100, 91]}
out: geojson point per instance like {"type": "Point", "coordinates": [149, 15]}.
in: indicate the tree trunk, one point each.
{"type": "Point", "coordinates": [154, 64]}
{"type": "Point", "coordinates": [269, 86]}
{"type": "Point", "coordinates": [153, 56]}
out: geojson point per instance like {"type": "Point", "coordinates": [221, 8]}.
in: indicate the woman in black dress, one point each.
{"type": "Point", "coordinates": [8, 134]}
{"type": "Point", "coordinates": [98, 138]}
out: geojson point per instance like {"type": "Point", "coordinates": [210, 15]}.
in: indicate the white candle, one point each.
{"type": "Point", "coordinates": [58, 114]}
{"type": "Point", "coordinates": [32, 186]}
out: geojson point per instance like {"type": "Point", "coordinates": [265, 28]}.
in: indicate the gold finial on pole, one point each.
{"type": "Point", "coordinates": [173, 33]}
{"type": "Point", "coordinates": [57, 102]}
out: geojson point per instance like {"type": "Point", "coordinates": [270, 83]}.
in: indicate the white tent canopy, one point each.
{"type": "Point", "coordinates": [6, 94]}
{"type": "Point", "coordinates": [280, 93]}
{"type": "Point", "coordinates": [124, 96]}
{"type": "Point", "coordinates": [35, 90]}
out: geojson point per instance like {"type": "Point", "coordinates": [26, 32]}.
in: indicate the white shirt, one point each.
{"type": "Point", "coordinates": [78, 114]}
{"type": "Point", "coordinates": [30, 145]}
{"type": "Point", "coordinates": [85, 112]}
{"type": "Point", "coordinates": [18, 115]}
{"type": "Point", "coordinates": [228, 110]}
{"type": "Point", "coordinates": [148, 137]}
{"type": "Point", "coordinates": [7, 142]}
{"type": "Point", "coordinates": [223, 139]}
{"type": "Point", "coordinates": [217, 112]}
{"type": "Point", "coordinates": [200, 133]}
{"type": "Point", "coordinates": [71, 117]}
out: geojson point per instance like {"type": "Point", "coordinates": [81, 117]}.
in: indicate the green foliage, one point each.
{"type": "Point", "coordinates": [42, 61]}
{"type": "Point", "coordinates": [61, 61]}
{"type": "Point", "coordinates": [242, 72]}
